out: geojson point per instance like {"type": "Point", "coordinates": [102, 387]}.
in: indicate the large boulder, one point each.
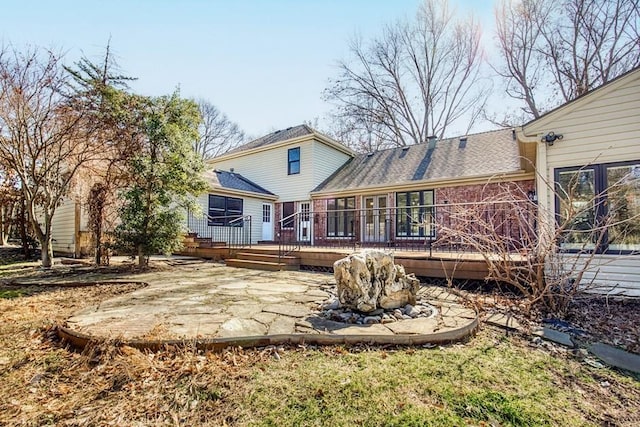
{"type": "Point", "coordinates": [368, 280]}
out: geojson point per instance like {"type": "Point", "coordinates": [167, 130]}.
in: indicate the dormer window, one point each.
{"type": "Point", "coordinates": [293, 164]}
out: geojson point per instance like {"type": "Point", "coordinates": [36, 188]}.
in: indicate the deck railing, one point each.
{"type": "Point", "coordinates": [287, 234]}
{"type": "Point", "coordinates": [234, 231]}
{"type": "Point", "coordinates": [426, 228]}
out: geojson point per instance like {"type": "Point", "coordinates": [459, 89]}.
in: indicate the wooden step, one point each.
{"type": "Point", "coordinates": [202, 242]}
{"type": "Point", "coordinates": [253, 256]}
{"type": "Point", "coordinates": [259, 265]}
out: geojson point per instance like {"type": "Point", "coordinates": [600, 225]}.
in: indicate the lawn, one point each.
{"type": "Point", "coordinates": [493, 379]}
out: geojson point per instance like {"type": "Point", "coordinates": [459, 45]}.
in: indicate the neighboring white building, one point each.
{"type": "Point", "coordinates": [595, 139]}
{"type": "Point", "coordinates": [69, 230]}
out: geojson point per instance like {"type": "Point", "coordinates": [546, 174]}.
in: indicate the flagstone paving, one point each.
{"type": "Point", "coordinates": [209, 301]}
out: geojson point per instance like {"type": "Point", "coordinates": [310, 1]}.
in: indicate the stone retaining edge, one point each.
{"type": "Point", "coordinates": [80, 340]}
{"type": "Point", "coordinates": [84, 284]}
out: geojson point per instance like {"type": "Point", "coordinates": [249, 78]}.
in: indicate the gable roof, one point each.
{"type": "Point", "coordinates": [234, 182]}
{"type": "Point", "coordinates": [281, 138]}
{"type": "Point", "coordinates": [277, 136]}
{"type": "Point", "coordinates": [483, 154]}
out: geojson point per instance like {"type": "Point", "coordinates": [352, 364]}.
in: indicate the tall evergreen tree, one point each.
{"type": "Point", "coordinates": [165, 178]}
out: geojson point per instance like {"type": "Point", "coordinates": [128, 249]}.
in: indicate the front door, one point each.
{"type": "Point", "coordinates": [375, 219]}
{"type": "Point", "coordinates": [304, 230]}
{"type": "Point", "coordinates": [267, 221]}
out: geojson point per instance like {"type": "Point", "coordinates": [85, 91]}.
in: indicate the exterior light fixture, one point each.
{"type": "Point", "coordinates": [550, 138]}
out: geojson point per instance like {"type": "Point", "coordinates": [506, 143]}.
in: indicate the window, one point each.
{"type": "Point", "coordinates": [224, 210]}
{"type": "Point", "coordinates": [288, 208]}
{"type": "Point", "coordinates": [415, 214]}
{"type": "Point", "coordinates": [293, 167]}
{"type": "Point", "coordinates": [600, 207]}
{"type": "Point", "coordinates": [266, 213]}
{"type": "Point", "coordinates": [341, 216]}
{"type": "Point", "coordinates": [305, 211]}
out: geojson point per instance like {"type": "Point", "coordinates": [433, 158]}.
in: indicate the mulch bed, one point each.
{"type": "Point", "coordinates": [612, 321]}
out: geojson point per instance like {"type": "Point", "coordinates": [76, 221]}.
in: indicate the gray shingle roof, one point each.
{"type": "Point", "coordinates": [272, 138]}
{"type": "Point", "coordinates": [486, 153]}
{"type": "Point", "coordinates": [234, 181]}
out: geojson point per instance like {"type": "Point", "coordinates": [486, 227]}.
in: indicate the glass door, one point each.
{"type": "Point", "coordinates": [375, 219]}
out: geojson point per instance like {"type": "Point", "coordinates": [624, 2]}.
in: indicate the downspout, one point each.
{"type": "Point", "coordinates": [543, 183]}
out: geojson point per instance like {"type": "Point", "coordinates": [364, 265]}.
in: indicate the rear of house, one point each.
{"type": "Point", "coordinates": [407, 197]}
{"type": "Point", "coordinates": [287, 164]}
{"type": "Point", "coordinates": [588, 154]}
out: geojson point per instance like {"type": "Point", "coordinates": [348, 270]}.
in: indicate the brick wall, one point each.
{"type": "Point", "coordinates": [502, 215]}
{"type": "Point", "coordinates": [506, 213]}
{"type": "Point", "coordinates": [479, 192]}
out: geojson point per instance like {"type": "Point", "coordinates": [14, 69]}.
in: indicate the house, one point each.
{"type": "Point", "coordinates": [287, 164]}
{"type": "Point", "coordinates": [403, 196]}
{"type": "Point", "coordinates": [588, 163]}
{"type": "Point", "coordinates": [327, 195]}
{"type": "Point", "coordinates": [69, 229]}
{"type": "Point", "coordinates": [231, 203]}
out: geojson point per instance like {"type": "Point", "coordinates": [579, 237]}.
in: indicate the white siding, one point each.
{"type": "Point", "coordinates": [602, 127]}
{"type": "Point", "coordinates": [326, 161]}
{"type": "Point", "coordinates": [611, 274]}
{"type": "Point", "coordinates": [63, 228]}
{"type": "Point", "coordinates": [606, 129]}
{"type": "Point", "coordinates": [250, 206]}
{"type": "Point", "coordinates": [268, 168]}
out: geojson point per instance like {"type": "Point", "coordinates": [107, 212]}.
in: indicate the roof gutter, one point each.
{"type": "Point", "coordinates": [243, 193]}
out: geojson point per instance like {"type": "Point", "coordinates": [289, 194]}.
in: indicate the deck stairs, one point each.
{"type": "Point", "coordinates": [192, 241]}
{"type": "Point", "coordinates": [263, 261]}
{"type": "Point", "coordinates": [254, 258]}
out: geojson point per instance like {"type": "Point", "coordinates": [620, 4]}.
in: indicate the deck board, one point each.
{"type": "Point", "coordinates": [437, 264]}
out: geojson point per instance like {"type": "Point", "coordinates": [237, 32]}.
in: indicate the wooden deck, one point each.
{"type": "Point", "coordinates": [461, 265]}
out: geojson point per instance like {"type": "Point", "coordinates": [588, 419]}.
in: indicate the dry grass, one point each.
{"type": "Point", "coordinates": [491, 380]}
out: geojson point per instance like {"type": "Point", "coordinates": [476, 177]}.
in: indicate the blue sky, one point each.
{"type": "Point", "coordinates": [264, 63]}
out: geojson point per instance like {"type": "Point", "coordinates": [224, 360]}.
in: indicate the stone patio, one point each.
{"type": "Point", "coordinates": [218, 306]}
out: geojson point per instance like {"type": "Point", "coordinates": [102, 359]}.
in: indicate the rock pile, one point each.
{"type": "Point", "coordinates": [370, 288]}
{"type": "Point", "coordinates": [369, 280]}
{"type": "Point", "coordinates": [335, 311]}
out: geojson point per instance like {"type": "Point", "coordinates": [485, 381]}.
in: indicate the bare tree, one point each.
{"type": "Point", "coordinates": [9, 204]}
{"type": "Point", "coordinates": [218, 134]}
{"type": "Point", "coordinates": [554, 51]}
{"type": "Point", "coordinates": [415, 80]}
{"type": "Point", "coordinates": [546, 257]}
{"type": "Point", "coordinates": [117, 116]}
{"type": "Point", "coordinates": [43, 135]}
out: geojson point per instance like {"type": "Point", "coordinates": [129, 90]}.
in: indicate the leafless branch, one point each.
{"type": "Point", "coordinates": [218, 134]}
{"type": "Point", "coordinates": [415, 80]}
{"type": "Point", "coordinates": [553, 52]}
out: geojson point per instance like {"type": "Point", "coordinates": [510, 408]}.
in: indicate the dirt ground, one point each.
{"type": "Point", "coordinates": [43, 382]}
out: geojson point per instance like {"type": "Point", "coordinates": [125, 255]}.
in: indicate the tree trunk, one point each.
{"type": "Point", "coordinates": [3, 236]}
{"type": "Point", "coordinates": [142, 258]}
{"type": "Point", "coordinates": [98, 238]}
{"type": "Point", "coordinates": [23, 230]}
{"type": "Point", "coordinates": [47, 252]}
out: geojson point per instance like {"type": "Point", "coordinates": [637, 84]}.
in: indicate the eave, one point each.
{"type": "Point", "coordinates": [520, 175]}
